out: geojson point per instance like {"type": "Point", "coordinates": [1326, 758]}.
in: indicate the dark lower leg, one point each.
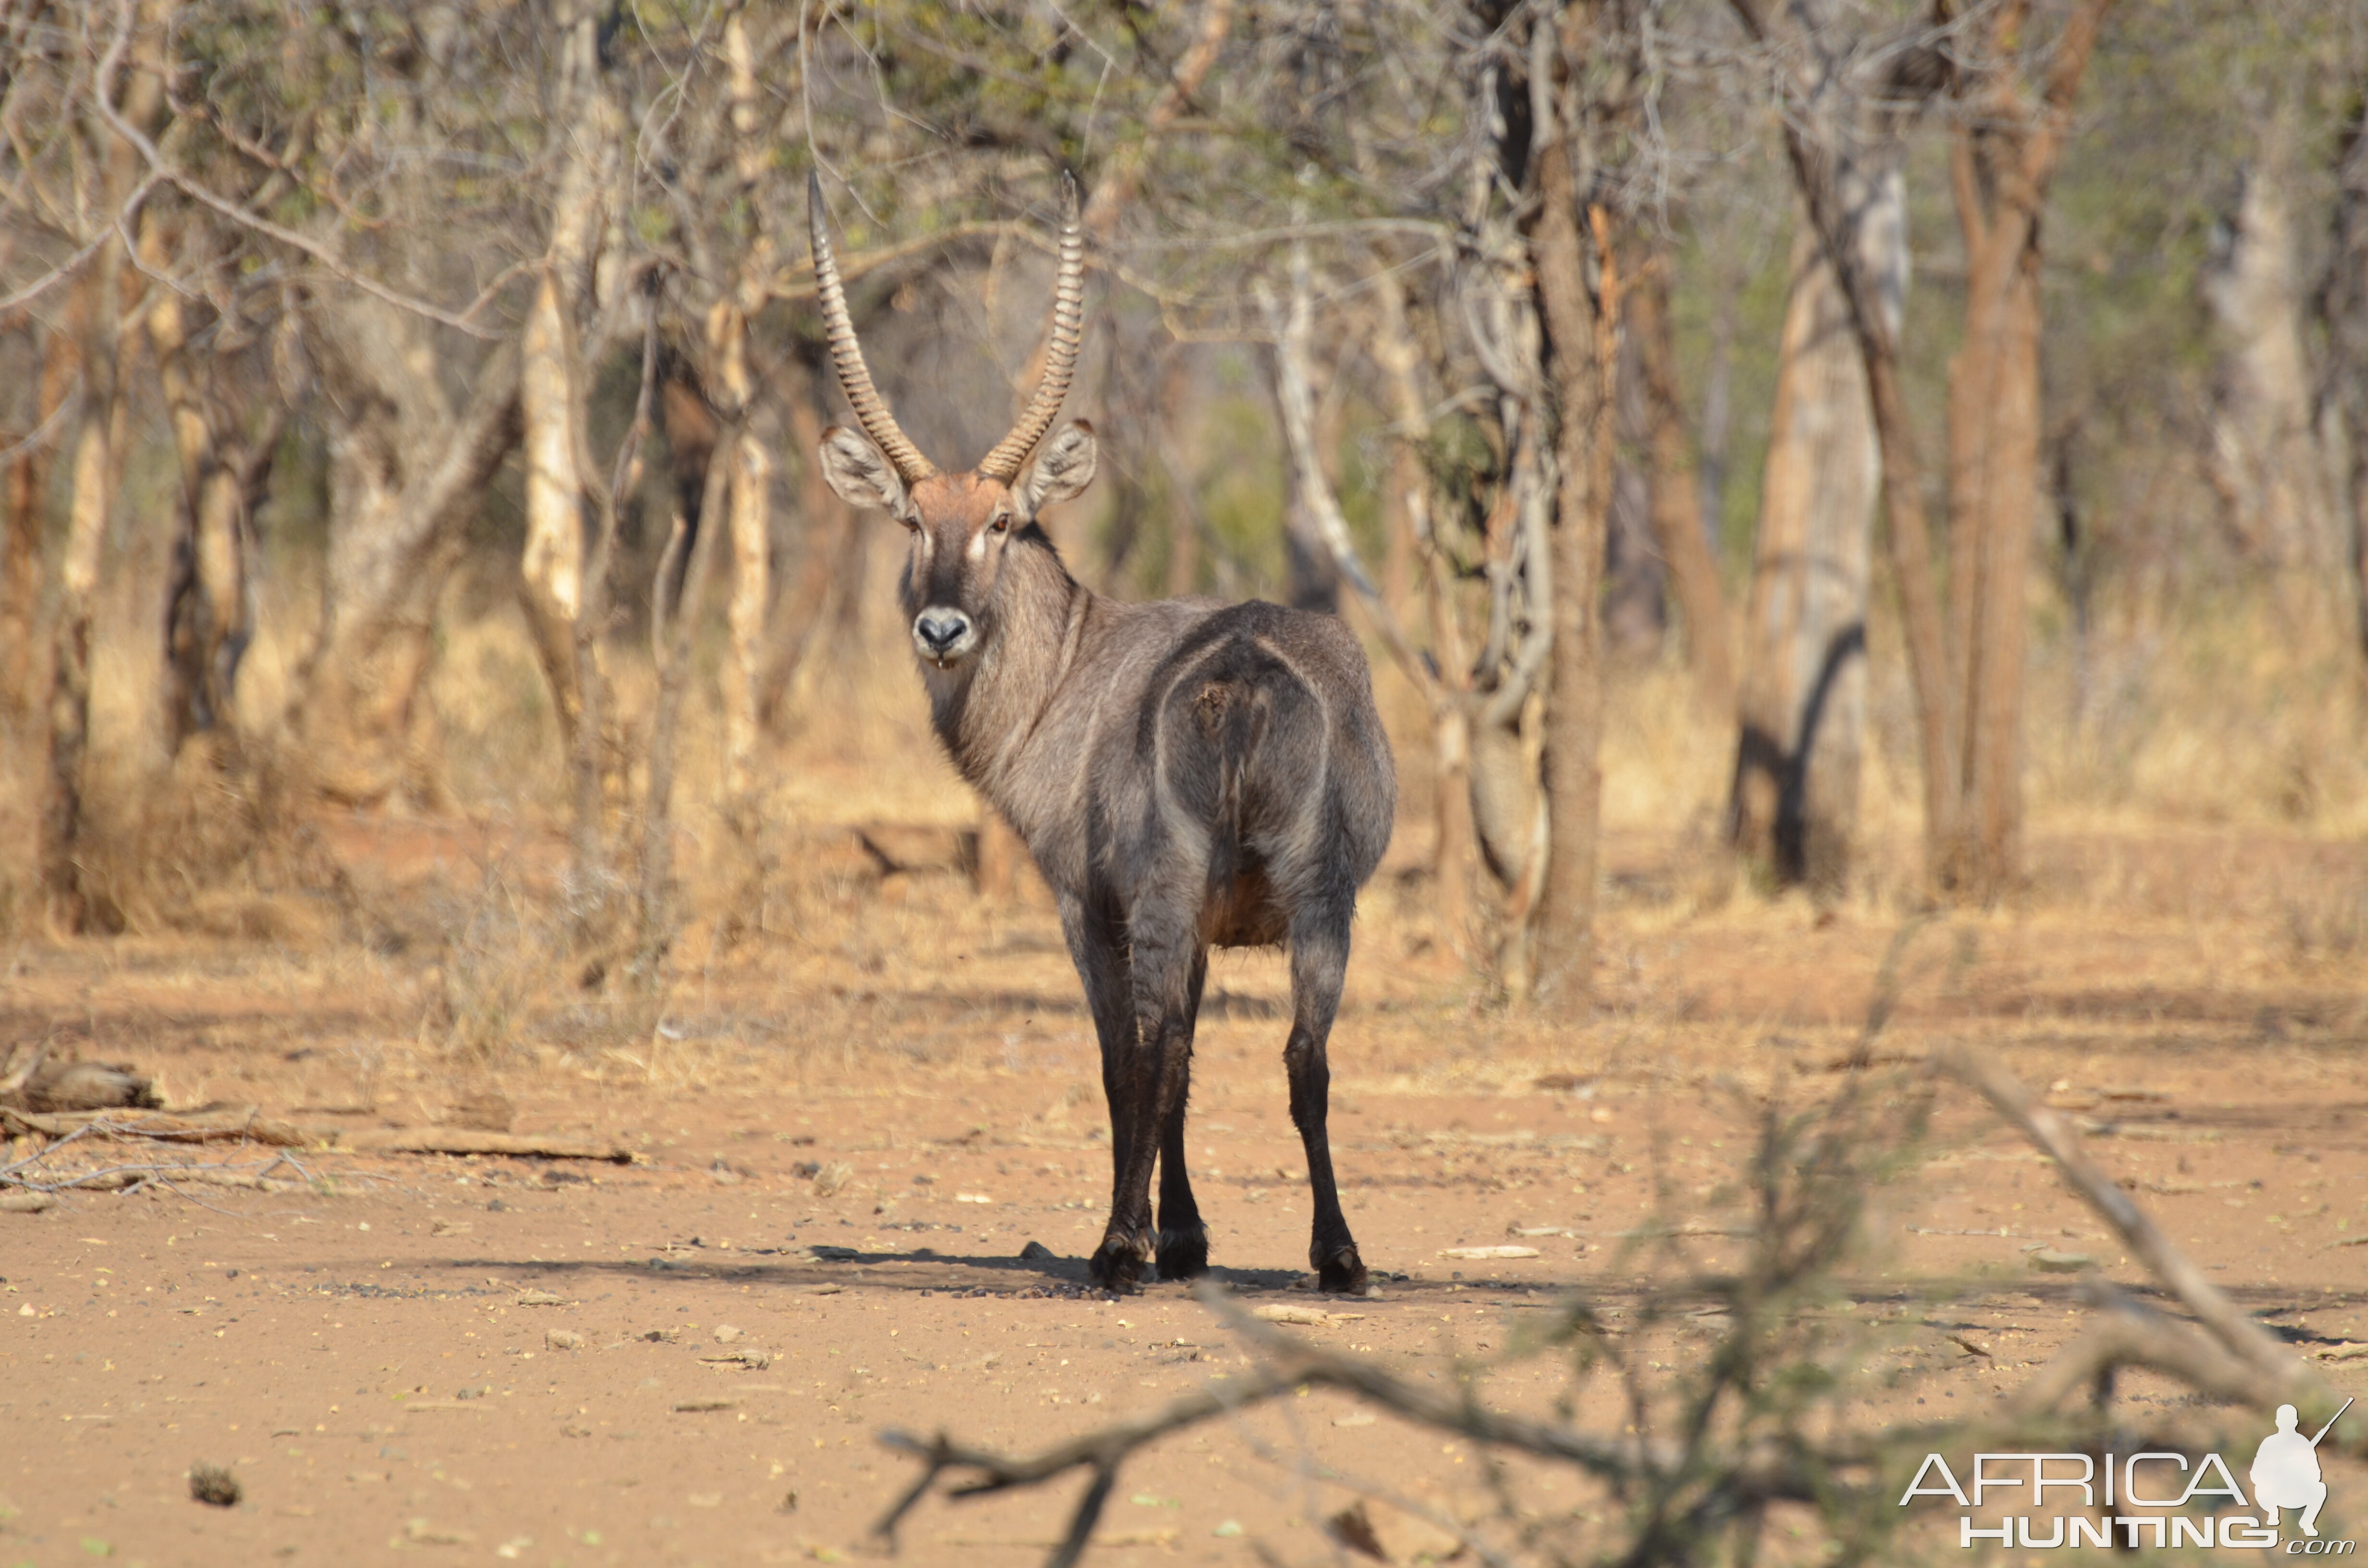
{"type": "Point", "coordinates": [1130, 1077]}
{"type": "Point", "coordinates": [1183, 1239]}
{"type": "Point", "coordinates": [1318, 960]}
{"type": "Point", "coordinates": [1100, 956]}
{"type": "Point", "coordinates": [1150, 1082]}
{"type": "Point", "coordinates": [1331, 1250]}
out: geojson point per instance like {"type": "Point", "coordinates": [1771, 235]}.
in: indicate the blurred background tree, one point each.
{"type": "Point", "coordinates": [1581, 354]}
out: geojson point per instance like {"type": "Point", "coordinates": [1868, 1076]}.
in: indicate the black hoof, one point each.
{"type": "Point", "coordinates": [1341, 1274]}
{"type": "Point", "coordinates": [1184, 1254]}
{"type": "Point", "coordinates": [1117, 1263]}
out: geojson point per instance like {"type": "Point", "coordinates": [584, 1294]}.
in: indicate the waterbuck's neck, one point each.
{"type": "Point", "coordinates": [984, 711]}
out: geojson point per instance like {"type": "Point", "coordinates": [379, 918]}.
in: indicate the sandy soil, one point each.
{"type": "Point", "coordinates": [691, 1359]}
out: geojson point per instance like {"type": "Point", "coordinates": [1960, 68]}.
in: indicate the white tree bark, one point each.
{"type": "Point", "coordinates": [2266, 461]}
{"type": "Point", "coordinates": [551, 408]}
{"type": "Point", "coordinates": [552, 376]}
{"type": "Point", "coordinates": [750, 513]}
{"type": "Point", "coordinates": [1802, 697]}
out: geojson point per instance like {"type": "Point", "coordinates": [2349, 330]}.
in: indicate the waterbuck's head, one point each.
{"type": "Point", "coordinates": [962, 524]}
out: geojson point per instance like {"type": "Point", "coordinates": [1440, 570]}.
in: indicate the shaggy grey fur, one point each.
{"type": "Point", "coordinates": [1187, 774]}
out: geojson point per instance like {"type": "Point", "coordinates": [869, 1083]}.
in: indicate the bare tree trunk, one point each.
{"type": "Point", "coordinates": [1635, 572]}
{"type": "Point", "coordinates": [1813, 145]}
{"type": "Point", "coordinates": [673, 626]}
{"type": "Point", "coordinates": [1453, 850]}
{"type": "Point", "coordinates": [1676, 505]}
{"type": "Point", "coordinates": [593, 876]}
{"type": "Point", "coordinates": [1582, 324]}
{"type": "Point", "coordinates": [1968, 669]}
{"type": "Point", "coordinates": [751, 517]}
{"type": "Point", "coordinates": [1510, 821]}
{"type": "Point", "coordinates": [803, 624]}
{"type": "Point", "coordinates": [1803, 702]}
{"type": "Point", "coordinates": [750, 523]}
{"type": "Point", "coordinates": [207, 618]}
{"type": "Point", "coordinates": [2343, 303]}
{"type": "Point", "coordinates": [1717, 409]}
{"type": "Point", "coordinates": [2003, 159]}
{"type": "Point", "coordinates": [2000, 516]}
{"type": "Point", "coordinates": [113, 169]}
{"type": "Point", "coordinates": [550, 570]}
{"type": "Point", "coordinates": [1401, 539]}
{"type": "Point", "coordinates": [28, 505]}
{"type": "Point", "coordinates": [364, 727]}
{"type": "Point", "coordinates": [1184, 521]}
{"type": "Point", "coordinates": [94, 474]}
{"type": "Point", "coordinates": [552, 374]}
{"type": "Point", "coordinates": [2265, 459]}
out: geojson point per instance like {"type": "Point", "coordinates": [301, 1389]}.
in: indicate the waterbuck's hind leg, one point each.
{"type": "Point", "coordinates": [1183, 1237]}
{"type": "Point", "coordinates": [1319, 964]}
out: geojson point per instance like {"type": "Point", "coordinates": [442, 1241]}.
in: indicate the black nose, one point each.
{"type": "Point", "coordinates": [940, 630]}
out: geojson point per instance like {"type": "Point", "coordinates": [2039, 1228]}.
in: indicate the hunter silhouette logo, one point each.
{"type": "Point", "coordinates": [2286, 1471]}
{"type": "Point", "coordinates": [2159, 1498]}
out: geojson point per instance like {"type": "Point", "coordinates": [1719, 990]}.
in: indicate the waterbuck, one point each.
{"type": "Point", "coordinates": [1187, 774]}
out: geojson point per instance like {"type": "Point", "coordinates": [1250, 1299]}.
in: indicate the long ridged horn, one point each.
{"type": "Point", "coordinates": [847, 354]}
{"type": "Point", "coordinates": [1059, 351]}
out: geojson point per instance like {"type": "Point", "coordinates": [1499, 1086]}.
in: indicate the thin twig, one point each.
{"type": "Point", "coordinates": [2277, 1376]}
{"type": "Point", "coordinates": [1293, 332]}
{"type": "Point", "coordinates": [2129, 1334]}
{"type": "Point", "coordinates": [198, 191]}
{"type": "Point", "coordinates": [1763, 1471]}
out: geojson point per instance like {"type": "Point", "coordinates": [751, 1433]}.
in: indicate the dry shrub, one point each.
{"type": "Point", "coordinates": [2237, 712]}
{"type": "Point", "coordinates": [499, 963]}
{"type": "Point", "coordinates": [215, 845]}
{"type": "Point", "coordinates": [501, 739]}
{"type": "Point", "coordinates": [1666, 762]}
{"type": "Point", "coordinates": [2234, 712]}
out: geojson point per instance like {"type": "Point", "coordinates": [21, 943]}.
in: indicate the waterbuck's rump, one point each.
{"type": "Point", "coordinates": [1269, 769]}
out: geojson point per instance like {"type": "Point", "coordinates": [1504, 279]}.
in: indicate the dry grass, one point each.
{"type": "Point", "coordinates": [2220, 722]}
{"type": "Point", "coordinates": [2228, 716]}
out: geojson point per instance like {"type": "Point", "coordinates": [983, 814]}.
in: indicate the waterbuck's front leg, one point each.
{"type": "Point", "coordinates": [1097, 947]}
{"type": "Point", "coordinates": [1147, 1078]}
{"type": "Point", "coordinates": [1319, 965]}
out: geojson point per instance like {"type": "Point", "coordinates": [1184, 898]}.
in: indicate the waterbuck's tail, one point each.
{"type": "Point", "coordinates": [1232, 715]}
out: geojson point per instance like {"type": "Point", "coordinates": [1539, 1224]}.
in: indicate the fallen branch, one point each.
{"type": "Point", "coordinates": [252, 1128]}
{"type": "Point", "coordinates": [122, 1178]}
{"type": "Point", "coordinates": [457, 1141]}
{"type": "Point", "coordinates": [2129, 1334]}
{"type": "Point", "coordinates": [2273, 1376]}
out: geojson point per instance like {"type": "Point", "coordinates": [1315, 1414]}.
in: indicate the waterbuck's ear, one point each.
{"type": "Point", "coordinates": [856, 471]}
{"type": "Point", "coordinates": [1064, 466]}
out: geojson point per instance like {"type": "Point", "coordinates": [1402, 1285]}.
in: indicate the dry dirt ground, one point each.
{"type": "Point", "coordinates": [689, 1360]}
